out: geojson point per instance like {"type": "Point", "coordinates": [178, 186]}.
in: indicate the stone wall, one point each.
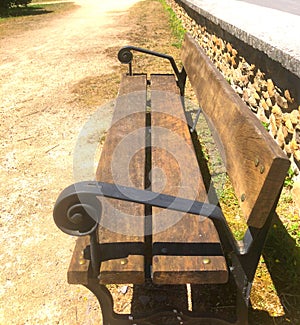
{"type": "Point", "coordinates": [274, 106]}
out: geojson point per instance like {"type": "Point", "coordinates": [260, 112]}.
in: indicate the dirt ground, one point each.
{"type": "Point", "coordinates": [40, 122]}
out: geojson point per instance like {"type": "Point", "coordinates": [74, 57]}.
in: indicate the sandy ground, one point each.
{"type": "Point", "coordinates": [40, 123]}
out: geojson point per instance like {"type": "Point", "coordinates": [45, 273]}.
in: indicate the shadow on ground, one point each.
{"type": "Point", "coordinates": [24, 11]}
{"type": "Point", "coordinates": [282, 257]}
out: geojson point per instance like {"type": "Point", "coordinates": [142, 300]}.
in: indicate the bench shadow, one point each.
{"type": "Point", "coordinates": [219, 300]}
{"type": "Point", "coordinates": [150, 297]}
{"type": "Point", "coordinates": [282, 258]}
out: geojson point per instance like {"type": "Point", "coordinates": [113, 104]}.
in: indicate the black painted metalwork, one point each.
{"type": "Point", "coordinates": [170, 315]}
{"type": "Point", "coordinates": [79, 217]}
{"type": "Point", "coordinates": [196, 120]}
{"type": "Point", "coordinates": [242, 259]}
{"type": "Point", "coordinates": [125, 56]}
{"type": "Point", "coordinates": [82, 192]}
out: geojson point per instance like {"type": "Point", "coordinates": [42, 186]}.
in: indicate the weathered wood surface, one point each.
{"type": "Point", "coordinates": [123, 162]}
{"type": "Point", "coordinates": [78, 268]}
{"type": "Point", "coordinates": [175, 171]}
{"type": "Point", "coordinates": [255, 163]}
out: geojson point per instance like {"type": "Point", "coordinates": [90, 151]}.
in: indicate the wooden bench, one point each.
{"type": "Point", "coordinates": [148, 218]}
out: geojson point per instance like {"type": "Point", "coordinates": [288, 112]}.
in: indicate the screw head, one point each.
{"type": "Point", "coordinates": [82, 261]}
{"type": "Point", "coordinates": [206, 261]}
{"type": "Point", "coordinates": [124, 261]}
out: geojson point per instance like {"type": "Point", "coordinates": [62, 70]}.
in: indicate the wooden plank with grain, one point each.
{"type": "Point", "coordinates": [254, 162]}
{"type": "Point", "coordinates": [78, 268]}
{"type": "Point", "coordinates": [175, 171]}
{"type": "Point", "coordinates": [123, 162]}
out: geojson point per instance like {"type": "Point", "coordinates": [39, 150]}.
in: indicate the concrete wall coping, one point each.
{"type": "Point", "coordinates": [274, 32]}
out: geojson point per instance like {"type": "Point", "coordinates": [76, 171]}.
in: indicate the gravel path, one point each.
{"type": "Point", "coordinates": [40, 122]}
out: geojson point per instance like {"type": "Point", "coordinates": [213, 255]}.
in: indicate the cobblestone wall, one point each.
{"type": "Point", "coordinates": [274, 107]}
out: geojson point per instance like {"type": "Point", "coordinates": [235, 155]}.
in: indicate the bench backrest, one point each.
{"type": "Point", "coordinates": [254, 162]}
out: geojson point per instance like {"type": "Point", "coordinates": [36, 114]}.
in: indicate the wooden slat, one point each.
{"type": "Point", "coordinates": [175, 172]}
{"type": "Point", "coordinates": [123, 162]}
{"type": "Point", "coordinates": [78, 269]}
{"type": "Point", "coordinates": [255, 163]}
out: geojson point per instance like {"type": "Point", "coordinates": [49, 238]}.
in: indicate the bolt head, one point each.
{"type": "Point", "coordinates": [124, 261]}
{"type": "Point", "coordinates": [206, 261]}
{"type": "Point", "coordinates": [82, 261]}
{"type": "Point", "coordinates": [164, 250]}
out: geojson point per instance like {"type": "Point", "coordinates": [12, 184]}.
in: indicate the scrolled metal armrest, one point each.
{"type": "Point", "coordinates": [125, 56]}
{"type": "Point", "coordinates": [83, 195]}
{"type": "Point", "coordinates": [77, 213]}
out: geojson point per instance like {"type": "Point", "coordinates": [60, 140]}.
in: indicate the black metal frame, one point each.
{"type": "Point", "coordinates": [125, 56]}
{"type": "Point", "coordinates": [173, 315]}
{"type": "Point", "coordinates": [242, 258]}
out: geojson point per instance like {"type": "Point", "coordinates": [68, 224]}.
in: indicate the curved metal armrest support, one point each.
{"type": "Point", "coordinates": [125, 56]}
{"type": "Point", "coordinates": [84, 194]}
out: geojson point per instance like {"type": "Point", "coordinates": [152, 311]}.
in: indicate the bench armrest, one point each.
{"type": "Point", "coordinates": [125, 56]}
{"type": "Point", "coordinates": [86, 193]}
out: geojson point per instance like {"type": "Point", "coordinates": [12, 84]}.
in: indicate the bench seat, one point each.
{"type": "Point", "coordinates": [174, 171]}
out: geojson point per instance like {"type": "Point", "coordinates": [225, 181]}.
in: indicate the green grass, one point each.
{"type": "Point", "coordinates": [289, 180]}
{"type": "Point", "coordinates": [231, 209]}
{"type": "Point", "coordinates": [265, 125]}
{"type": "Point", "coordinates": [278, 273]}
{"type": "Point", "coordinates": [175, 24]}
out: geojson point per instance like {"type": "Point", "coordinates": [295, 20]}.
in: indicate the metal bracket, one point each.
{"type": "Point", "coordinates": [196, 120]}
{"type": "Point", "coordinates": [125, 56]}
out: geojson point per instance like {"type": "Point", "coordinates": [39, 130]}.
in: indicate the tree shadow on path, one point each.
{"type": "Point", "coordinates": [24, 11]}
